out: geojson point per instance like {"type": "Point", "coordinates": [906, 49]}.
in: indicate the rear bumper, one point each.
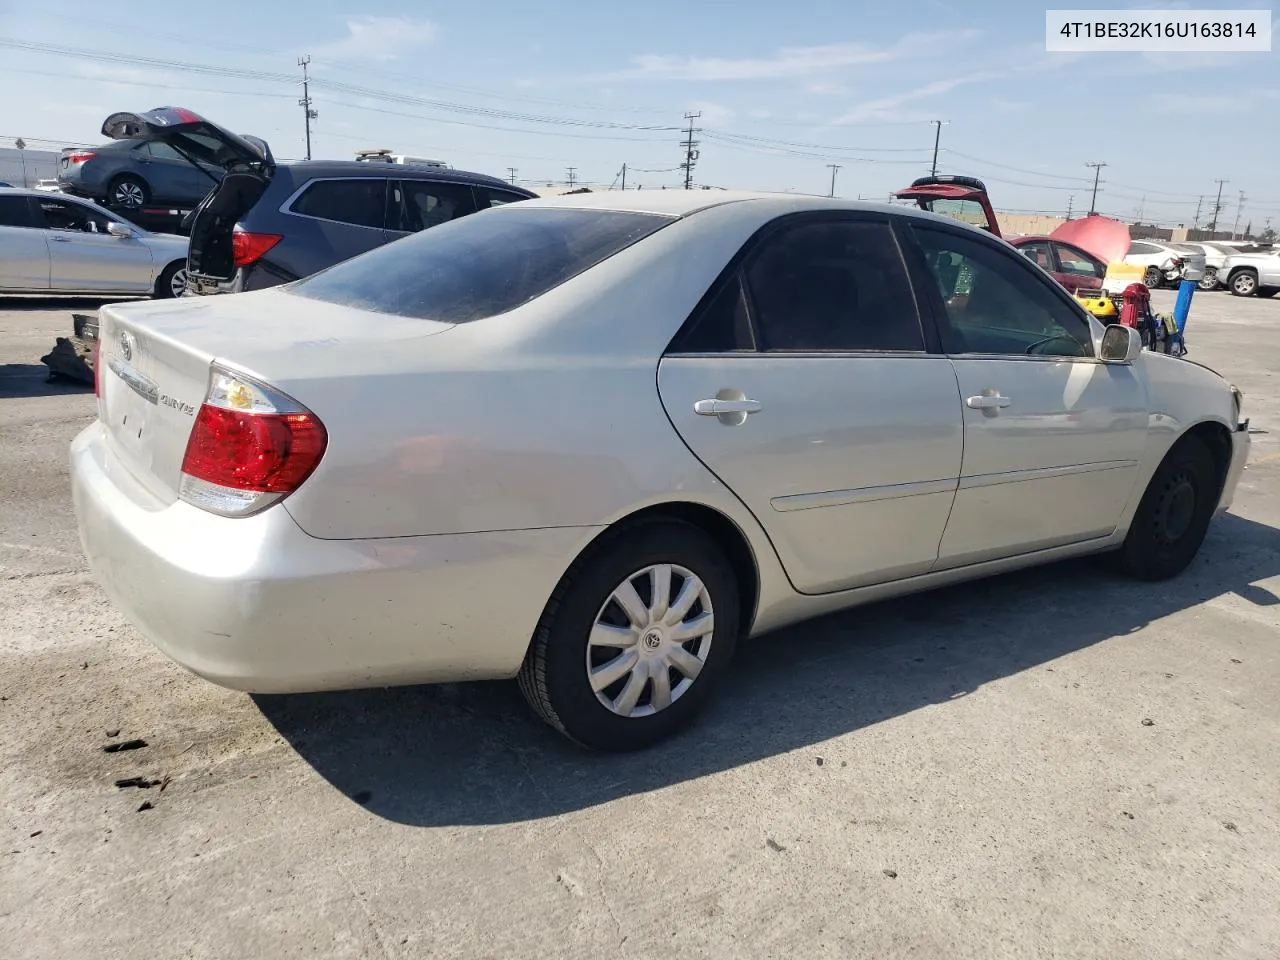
{"type": "Point", "coordinates": [255, 277]}
{"type": "Point", "coordinates": [1240, 444]}
{"type": "Point", "coordinates": [256, 604]}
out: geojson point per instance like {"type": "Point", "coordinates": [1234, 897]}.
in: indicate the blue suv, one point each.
{"type": "Point", "coordinates": [269, 223]}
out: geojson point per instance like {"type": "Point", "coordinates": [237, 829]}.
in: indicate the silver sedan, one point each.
{"type": "Point", "coordinates": [589, 442]}
{"type": "Point", "coordinates": [55, 244]}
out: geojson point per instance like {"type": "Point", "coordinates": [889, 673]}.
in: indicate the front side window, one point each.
{"type": "Point", "coordinates": [1077, 263]}
{"type": "Point", "coordinates": [358, 202]}
{"type": "Point", "coordinates": [477, 267]}
{"type": "Point", "coordinates": [73, 217]}
{"type": "Point", "coordinates": [994, 303]}
{"type": "Point", "coordinates": [838, 285]}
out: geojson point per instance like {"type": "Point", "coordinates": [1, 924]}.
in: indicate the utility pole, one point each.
{"type": "Point", "coordinates": [1142, 208]}
{"type": "Point", "coordinates": [1195, 224]}
{"type": "Point", "coordinates": [690, 149]}
{"type": "Point", "coordinates": [1239, 207]}
{"type": "Point", "coordinates": [572, 176]}
{"type": "Point", "coordinates": [1217, 208]}
{"type": "Point", "coordinates": [511, 175]}
{"type": "Point", "coordinates": [305, 102]}
{"type": "Point", "coordinates": [1070, 203]}
{"type": "Point", "coordinates": [1097, 172]}
{"type": "Point", "coordinates": [937, 136]}
{"type": "Point", "coordinates": [624, 176]}
{"type": "Point", "coordinates": [22, 154]}
{"type": "Point", "coordinates": [834, 167]}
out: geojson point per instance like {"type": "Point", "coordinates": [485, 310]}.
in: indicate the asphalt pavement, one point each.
{"type": "Point", "coordinates": [1055, 763]}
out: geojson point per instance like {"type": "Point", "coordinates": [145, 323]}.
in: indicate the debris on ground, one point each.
{"type": "Point", "coordinates": [146, 805]}
{"type": "Point", "coordinates": [891, 874]}
{"type": "Point", "coordinates": [774, 845]}
{"type": "Point", "coordinates": [124, 745]}
{"type": "Point", "coordinates": [113, 732]}
{"type": "Point", "coordinates": [142, 783]}
{"type": "Point", "coordinates": [1148, 722]}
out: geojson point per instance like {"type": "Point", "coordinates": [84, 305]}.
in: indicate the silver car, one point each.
{"type": "Point", "coordinates": [590, 441]}
{"type": "Point", "coordinates": [1252, 273]}
{"type": "Point", "coordinates": [55, 244]}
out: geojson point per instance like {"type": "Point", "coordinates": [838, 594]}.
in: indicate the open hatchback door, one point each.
{"type": "Point", "coordinates": [964, 198]}
{"type": "Point", "coordinates": [248, 166]}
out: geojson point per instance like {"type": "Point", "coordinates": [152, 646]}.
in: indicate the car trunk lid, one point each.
{"type": "Point", "coordinates": [962, 198]}
{"type": "Point", "coordinates": [155, 362]}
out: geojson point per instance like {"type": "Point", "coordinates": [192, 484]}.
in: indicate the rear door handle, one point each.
{"type": "Point", "coordinates": [716, 408]}
{"type": "Point", "coordinates": [60, 239]}
{"type": "Point", "coordinates": [985, 402]}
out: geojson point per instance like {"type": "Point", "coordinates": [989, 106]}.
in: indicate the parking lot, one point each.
{"type": "Point", "coordinates": [1053, 763]}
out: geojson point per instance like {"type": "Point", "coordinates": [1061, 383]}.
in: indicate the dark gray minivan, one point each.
{"type": "Point", "coordinates": [268, 223]}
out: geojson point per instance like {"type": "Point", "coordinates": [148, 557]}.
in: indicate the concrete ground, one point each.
{"type": "Point", "coordinates": [1051, 764]}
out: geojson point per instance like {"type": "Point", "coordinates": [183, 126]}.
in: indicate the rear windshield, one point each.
{"type": "Point", "coordinates": [481, 265]}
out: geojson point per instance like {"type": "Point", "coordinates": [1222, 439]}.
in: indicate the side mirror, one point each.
{"type": "Point", "coordinates": [1120, 344]}
{"type": "Point", "coordinates": [118, 229]}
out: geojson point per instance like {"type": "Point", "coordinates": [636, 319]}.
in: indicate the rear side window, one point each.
{"type": "Point", "coordinates": [479, 266]}
{"type": "Point", "coordinates": [16, 212]}
{"type": "Point", "coordinates": [421, 204]}
{"type": "Point", "coordinates": [833, 286]}
{"type": "Point", "coordinates": [358, 202]}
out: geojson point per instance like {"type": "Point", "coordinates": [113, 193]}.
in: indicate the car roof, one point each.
{"type": "Point", "coordinates": [308, 169]}
{"type": "Point", "coordinates": [681, 203]}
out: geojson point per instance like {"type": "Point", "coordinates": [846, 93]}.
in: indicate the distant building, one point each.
{"type": "Point", "coordinates": [39, 165]}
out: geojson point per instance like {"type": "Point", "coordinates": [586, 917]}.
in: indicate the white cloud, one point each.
{"type": "Point", "coordinates": [377, 38]}
{"type": "Point", "coordinates": [889, 108]}
{"type": "Point", "coordinates": [787, 61]}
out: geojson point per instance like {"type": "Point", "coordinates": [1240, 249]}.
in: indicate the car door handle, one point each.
{"type": "Point", "coordinates": [60, 239]}
{"type": "Point", "coordinates": [985, 402]}
{"type": "Point", "coordinates": [716, 408]}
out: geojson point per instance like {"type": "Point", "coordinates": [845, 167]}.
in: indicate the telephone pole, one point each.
{"type": "Point", "coordinates": [690, 149]}
{"type": "Point", "coordinates": [1097, 172]}
{"type": "Point", "coordinates": [1239, 207]}
{"type": "Point", "coordinates": [572, 176]}
{"type": "Point", "coordinates": [834, 167]}
{"type": "Point", "coordinates": [624, 176]}
{"type": "Point", "coordinates": [1070, 203]}
{"type": "Point", "coordinates": [1217, 208]}
{"type": "Point", "coordinates": [1195, 224]}
{"type": "Point", "coordinates": [305, 103]}
{"type": "Point", "coordinates": [937, 137]}
{"type": "Point", "coordinates": [511, 178]}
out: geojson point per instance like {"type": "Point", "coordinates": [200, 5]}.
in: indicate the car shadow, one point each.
{"type": "Point", "coordinates": [43, 302]}
{"type": "Point", "coordinates": [34, 380]}
{"type": "Point", "coordinates": [473, 754]}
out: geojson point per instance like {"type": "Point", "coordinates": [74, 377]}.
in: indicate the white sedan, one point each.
{"type": "Point", "coordinates": [55, 244]}
{"type": "Point", "coordinates": [590, 441]}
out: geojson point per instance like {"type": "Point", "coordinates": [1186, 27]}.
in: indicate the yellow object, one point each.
{"type": "Point", "coordinates": [1120, 275]}
{"type": "Point", "coordinates": [1101, 307]}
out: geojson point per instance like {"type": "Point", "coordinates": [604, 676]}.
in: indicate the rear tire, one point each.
{"type": "Point", "coordinates": [172, 281]}
{"type": "Point", "coordinates": [128, 191]}
{"type": "Point", "coordinates": [1209, 281]}
{"type": "Point", "coordinates": [1173, 516]}
{"type": "Point", "coordinates": [1243, 283]}
{"type": "Point", "coordinates": [651, 700]}
{"type": "Point", "coordinates": [1152, 277]}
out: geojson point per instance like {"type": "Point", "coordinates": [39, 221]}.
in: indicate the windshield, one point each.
{"type": "Point", "coordinates": [481, 265]}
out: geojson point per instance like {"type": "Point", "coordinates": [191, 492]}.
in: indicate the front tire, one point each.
{"type": "Point", "coordinates": [1174, 513]}
{"type": "Point", "coordinates": [635, 637]}
{"type": "Point", "coordinates": [172, 282]}
{"type": "Point", "coordinates": [1210, 279]}
{"type": "Point", "coordinates": [1153, 277]}
{"type": "Point", "coordinates": [1243, 283]}
{"type": "Point", "coordinates": [129, 192]}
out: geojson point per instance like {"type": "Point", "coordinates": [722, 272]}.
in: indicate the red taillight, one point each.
{"type": "Point", "coordinates": [80, 156]}
{"type": "Point", "coordinates": [250, 446]}
{"type": "Point", "coordinates": [247, 248]}
{"type": "Point", "coordinates": [256, 452]}
{"type": "Point", "coordinates": [95, 354]}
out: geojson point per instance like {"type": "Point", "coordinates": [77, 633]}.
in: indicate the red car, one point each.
{"type": "Point", "coordinates": [1068, 264]}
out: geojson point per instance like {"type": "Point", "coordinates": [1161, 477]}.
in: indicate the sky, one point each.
{"type": "Point", "coordinates": [783, 90]}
